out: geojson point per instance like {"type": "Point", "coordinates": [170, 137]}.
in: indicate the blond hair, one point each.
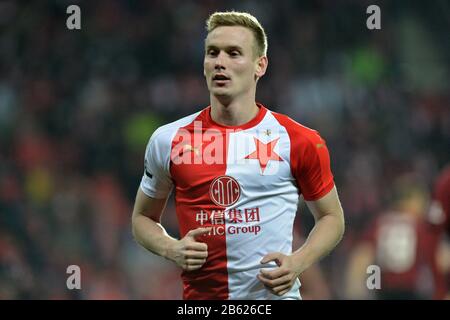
{"type": "Point", "coordinates": [243, 19]}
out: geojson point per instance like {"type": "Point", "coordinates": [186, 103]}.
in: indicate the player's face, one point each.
{"type": "Point", "coordinates": [231, 65]}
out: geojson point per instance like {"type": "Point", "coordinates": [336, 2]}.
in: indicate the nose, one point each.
{"type": "Point", "coordinates": [219, 61]}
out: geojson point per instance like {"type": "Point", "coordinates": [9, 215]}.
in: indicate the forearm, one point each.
{"type": "Point", "coordinates": [323, 238]}
{"type": "Point", "coordinates": [152, 236]}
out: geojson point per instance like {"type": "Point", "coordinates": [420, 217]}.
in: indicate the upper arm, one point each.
{"type": "Point", "coordinates": [328, 204]}
{"type": "Point", "coordinates": [156, 181]}
{"type": "Point", "coordinates": [313, 170]}
{"type": "Point", "coordinates": [150, 207]}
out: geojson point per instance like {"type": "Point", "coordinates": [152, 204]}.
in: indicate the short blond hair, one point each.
{"type": "Point", "coordinates": [243, 19]}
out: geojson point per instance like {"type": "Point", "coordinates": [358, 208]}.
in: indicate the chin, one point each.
{"type": "Point", "coordinates": [223, 97]}
{"type": "Point", "coordinates": [221, 92]}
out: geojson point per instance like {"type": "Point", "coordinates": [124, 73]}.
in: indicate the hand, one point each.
{"type": "Point", "coordinates": [279, 280]}
{"type": "Point", "coordinates": [188, 253]}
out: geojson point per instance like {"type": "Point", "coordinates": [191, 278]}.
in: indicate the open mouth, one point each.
{"type": "Point", "coordinates": [220, 78]}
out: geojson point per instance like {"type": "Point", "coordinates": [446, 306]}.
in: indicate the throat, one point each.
{"type": "Point", "coordinates": [234, 115]}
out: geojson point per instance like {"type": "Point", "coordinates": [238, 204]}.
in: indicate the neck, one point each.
{"type": "Point", "coordinates": [233, 113]}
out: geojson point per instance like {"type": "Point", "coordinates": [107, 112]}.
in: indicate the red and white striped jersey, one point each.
{"type": "Point", "coordinates": [244, 182]}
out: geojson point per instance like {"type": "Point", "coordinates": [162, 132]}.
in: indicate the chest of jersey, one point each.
{"type": "Point", "coordinates": [221, 166]}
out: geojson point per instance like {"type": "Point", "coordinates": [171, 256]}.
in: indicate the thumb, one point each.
{"type": "Point", "coordinates": [198, 232]}
{"type": "Point", "coordinates": [273, 256]}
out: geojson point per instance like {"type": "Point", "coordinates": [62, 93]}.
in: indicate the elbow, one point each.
{"type": "Point", "coordinates": [341, 227]}
{"type": "Point", "coordinates": [135, 227]}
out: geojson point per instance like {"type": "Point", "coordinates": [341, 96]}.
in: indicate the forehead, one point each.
{"type": "Point", "coordinates": [230, 36]}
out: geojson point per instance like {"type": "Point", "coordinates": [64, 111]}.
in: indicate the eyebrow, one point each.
{"type": "Point", "coordinates": [227, 48]}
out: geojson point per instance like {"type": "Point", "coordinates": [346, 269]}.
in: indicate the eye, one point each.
{"type": "Point", "coordinates": [235, 53]}
{"type": "Point", "coordinates": [212, 52]}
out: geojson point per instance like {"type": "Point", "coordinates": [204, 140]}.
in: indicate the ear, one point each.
{"type": "Point", "coordinates": [261, 66]}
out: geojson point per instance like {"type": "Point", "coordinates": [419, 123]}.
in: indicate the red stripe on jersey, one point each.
{"type": "Point", "coordinates": [195, 208]}
{"type": "Point", "coordinates": [310, 160]}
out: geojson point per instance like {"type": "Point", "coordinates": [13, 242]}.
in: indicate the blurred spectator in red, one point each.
{"type": "Point", "coordinates": [400, 243]}
{"type": "Point", "coordinates": [439, 220]}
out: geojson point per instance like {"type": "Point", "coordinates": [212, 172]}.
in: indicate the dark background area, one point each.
{"type": "Point", "coordinates": [77, 108]}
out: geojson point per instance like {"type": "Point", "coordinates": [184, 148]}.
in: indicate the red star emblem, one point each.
{"type": "Point", "coordinates": [264, 152]}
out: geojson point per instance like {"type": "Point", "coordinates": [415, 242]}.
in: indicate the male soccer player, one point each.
{"type": "Point", "coordinates": [238, 170]}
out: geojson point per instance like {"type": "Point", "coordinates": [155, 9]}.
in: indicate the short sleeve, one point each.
{"type": "Point", "coordinates": [314, 176]}
{"type": "Point", "coordinates": [156, 181]}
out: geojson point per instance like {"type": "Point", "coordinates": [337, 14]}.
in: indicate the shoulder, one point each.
{"type": "Point", "coordinates": [298, 133]}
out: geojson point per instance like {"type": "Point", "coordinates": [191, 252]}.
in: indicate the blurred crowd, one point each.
{"type": "Point", "coordinates": [77, 108]}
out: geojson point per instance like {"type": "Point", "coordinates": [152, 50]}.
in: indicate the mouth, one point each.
{"type": "Point", "coordinates": [220, 79]}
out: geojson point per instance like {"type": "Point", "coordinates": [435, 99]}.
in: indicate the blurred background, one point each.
{"type": "Point", "coordinates": [77, 108]}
